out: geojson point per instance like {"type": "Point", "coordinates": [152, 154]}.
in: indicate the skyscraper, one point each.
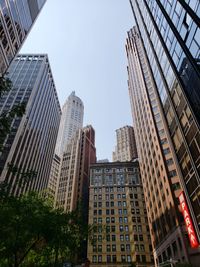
{"type": "Point", "coordinates": [73, 182]}
{"type": "Point", "coordinates": [169, 32]}
{"type": "Point", "coordinates": [157, 159]}
{"type": "Point", "coordinates": [164, 64]}
{"type": "Point", "coordinates": [71, 121]}
{"type": "Point", "coordinates": [16, 19]}
{"type": "Point", "coordinates": [117, 204]}
{"type": "Point", "coordinates": [31, 142]}
{"type": "Point", "coordinates": [125, 149]}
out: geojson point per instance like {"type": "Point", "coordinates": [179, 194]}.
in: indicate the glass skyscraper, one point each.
{"type": "Point", "coordinates": [169, 71]}
{"type": "Point", "coordinates": [16, 19]}
{"type": "Point", "coordinates": [30, 144]}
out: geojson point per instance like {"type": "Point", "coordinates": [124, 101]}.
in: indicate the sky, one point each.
{"type": "Point", "coordinates": [85, 43]}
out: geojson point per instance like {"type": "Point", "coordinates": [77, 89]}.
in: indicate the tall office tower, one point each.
{"type": "Point", "coordinates": [73, 181]}
{"type": "Point", "coordinates": [30, 144]}
{"type": "Point", "coordinates": [117, 203]}
{"type": "Point", "coordinates": [125, 149]}
{"type": "Point", "coordinates": [163, 147]}
{"type": "Point", "coordinates": [16, 19]}
{"type": "Point", "coordinates": [71, 121]}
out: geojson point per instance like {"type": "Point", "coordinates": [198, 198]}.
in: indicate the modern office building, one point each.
{"type": "Point", "coordinates": [71, 121]}
{"type": "Point", "coordinates": [16, 20]}
{"type": "Point", "coordinates": [117, 208]}
{"type": "Point", "coordinates": [31, 143]}
{"type": "Point", "coordinates": [73, 180]}
{"type": "Point", "coordinates": [125, 149]}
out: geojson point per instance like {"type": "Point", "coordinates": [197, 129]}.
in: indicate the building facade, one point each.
{"type": "Point", "coordinates": [73, 180]}
{"type": "Point", "coordinates": [117, 208]}
{"type": "Point", "coordinates": [54, 176]}
{"type": "Point", "coordinates": [71, 121]}
{"type": "Point", "coordinates": [30, 144]}
{"type": "Point", "coordinates": [16, 20]}
{"type": "Point", "coordinates": [125, 149]}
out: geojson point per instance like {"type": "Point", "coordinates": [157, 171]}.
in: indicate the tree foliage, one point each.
{"type": "Point", "coordinates": [32, 233]}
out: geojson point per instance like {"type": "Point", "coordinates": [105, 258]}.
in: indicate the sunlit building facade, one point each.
{"type": "Point", "coordinates": [117, 208]}
{"type": "Point", "coordinates": [73, 182]}
{"type": "Point", "coordinates": [54, 176]}
{"type": "Point", "coordinates": [31, 142]}
{"type": "Point", "coordinates": [71, 121]}
{"type": "Point", "coordinates": [167, 60]}
{"type": "Point", "coordinates": [125, 149]}
{"type": "Point", "coordinates": [16, 20]}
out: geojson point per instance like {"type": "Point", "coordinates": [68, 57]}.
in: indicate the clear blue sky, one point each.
{"type": "Point", "coordinates": [85, 42]}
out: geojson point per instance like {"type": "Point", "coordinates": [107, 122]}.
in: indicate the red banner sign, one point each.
{"type": "Point", "coordinates": [188, 221]}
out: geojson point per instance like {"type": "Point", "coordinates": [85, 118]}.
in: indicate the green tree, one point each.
{"type": "Point", "coordinates": [32, 233]}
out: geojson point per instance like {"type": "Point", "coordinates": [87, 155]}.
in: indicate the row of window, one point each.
{"type": "Point", "coordinates": [113, 258]}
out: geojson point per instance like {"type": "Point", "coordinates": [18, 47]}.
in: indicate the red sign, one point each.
{"type": "Point", "coordinates": [188, 221]}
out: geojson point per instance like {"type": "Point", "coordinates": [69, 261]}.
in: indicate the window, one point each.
{"type": "Point", "coordinates": [172, 173]}
{"type": "Point", "coordinates": [114, 258]}
{"type": "Point", "coordinates": [112, 219]}
{"type": "Point", "coordinates": [107, 219]}
{"type": "Point", "coordinates": [99, 248]}
{"type": "Point", "coordinates": [141, 237]}
{"type": "Point", "coordinates": [125, 211]}
{"type": "Point", "coordinates": [107, 204]}
{"type": "Point", "coordinates": [112, 212]}
{"type": "Point", "coordinates": [108, 258]}
{"type": "Point", "coordinates": [94, 258]}
{"type": "Point", "coordinates": [113, 248]}
{"type": "Point", "coordinates": [99, 238]}
{"type": "Point", "coordinates": [99, 258]}
{"type": "Point", "coordinates": [100, 212]}
{"type": "Point", "coordinates": [118, 196]}
{"type": "Point", "coordinates": [119, 211]}
{"type": "Point", "coordinates": [127, 238]}
{"type": "Point", "coordinates": [123, 258]}
{"type": "Point", "coordinates": [126, 228]}
{"type": "Point", "coordinates": [108, 248]}
{"type": "Point", "coordinates": [108, 238]}
{"type": "Point", "coordinates": [99, 220]}
{"type": "Point", "coordinates": [128, 247]}
{"type": "Point", "coordinates": [121, 228]}
{"type": "Point", "coordinates": [122, 247]}
{"type": "Point", "coordinates": [113, 228]}
{"type": "Point", "coordinates": [113, 238]}
{"type": "Point", "coordinates": [142, 247]}
{"type": "Point", "coordinates": [128, 258]}
{"type": "Point", "coordinates": [166, 151]}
